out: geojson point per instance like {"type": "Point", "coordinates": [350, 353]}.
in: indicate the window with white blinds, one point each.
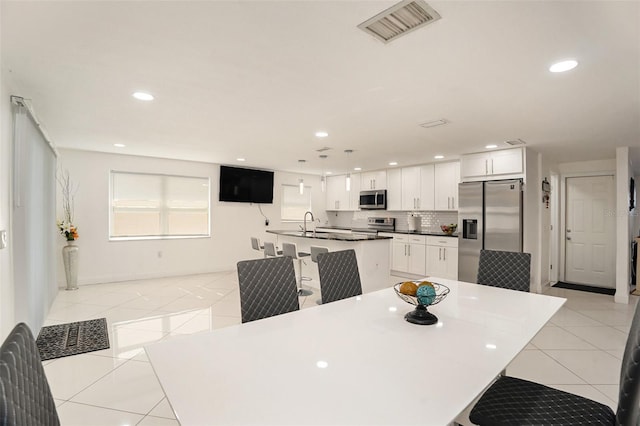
{"type": "Point", "coordinates": [294, 205]}
{"type": "Point", "coordinates": [158, 206]}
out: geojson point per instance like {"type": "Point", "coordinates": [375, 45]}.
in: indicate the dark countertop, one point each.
{"type": "Point", "coordinates": [328, 235]}
{"type": "Point", "coordinates": [431, 233]}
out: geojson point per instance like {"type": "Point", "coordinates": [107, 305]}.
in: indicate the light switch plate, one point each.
{"type": "Point", "coordinates": [3, 239]}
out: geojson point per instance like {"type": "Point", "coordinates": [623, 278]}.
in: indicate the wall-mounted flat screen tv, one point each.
{"type": "Point", "coordinates": [246, 185]}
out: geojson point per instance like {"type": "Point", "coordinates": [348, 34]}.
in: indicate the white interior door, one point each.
{"type": "Point", "coordinates": [590, 231]}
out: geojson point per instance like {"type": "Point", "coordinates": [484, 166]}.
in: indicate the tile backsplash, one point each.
{"type": "Point", "coordinates": [430, 221]}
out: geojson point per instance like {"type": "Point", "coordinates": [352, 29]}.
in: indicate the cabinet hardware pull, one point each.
{"type": "Point", "coordinates": [444, 254]}
{"type": "Point", "coordinates": [439, 253]}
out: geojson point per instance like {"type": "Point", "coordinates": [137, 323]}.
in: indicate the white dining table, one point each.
{"type": "Point", "coordinates": [351, 362]}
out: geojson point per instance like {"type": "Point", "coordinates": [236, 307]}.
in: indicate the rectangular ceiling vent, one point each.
{"type": "Point", "coordinates": [434, 123]}
{"type": "Point", "coordinates": [515, 142]}
{"type": "Point", "coordinates": [400, 19]}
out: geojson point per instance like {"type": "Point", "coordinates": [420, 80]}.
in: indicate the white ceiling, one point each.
{"type": "Point", "coordinates": [257, 79]}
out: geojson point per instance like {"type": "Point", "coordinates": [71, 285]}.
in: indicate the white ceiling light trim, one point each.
{"type": "Point", "coordinates": [564, 66]}
{"type": "Point", "coordinates": [393, 163]}
{"type": "Point", "coordinates": [321, 134]}
{"type": "Point", "coordinates": [241, 159]}
{"type": "Point", "coordinates": [143, 96]}
{"type": "Point", "coordinates": [400, 19]}
{"type": "Point", "coordinates": [491, 146]}
{"type": "Point", "coordinates": [119, 145]}
{"type": "Point", "coordinates": [438, 157]}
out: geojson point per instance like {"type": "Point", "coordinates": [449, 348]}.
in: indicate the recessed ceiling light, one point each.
{"type": "Point", "coordinates": [357, 169]}
{"type": "Point", "coordinates": [119, 145]}
{"type": "Point", "coordinates": [329, 173]}
{"type": "Point", "coordinates": [142, 96]}
{"type": "Point", "coordinates": [438, 157]}
{"type": "Point", "coordinates": [491, 146]}
{"type": "Point", "coordinates": [322, 134]}
{"type": "Point", "coordinates": [563, 66]}
{"type": "Point", "coordinates": [393, 163]}
{"type": "Point", "coordinates": [240, 159]}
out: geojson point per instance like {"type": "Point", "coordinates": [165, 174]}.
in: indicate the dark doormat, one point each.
{"type": "Point", "coordinates": [57, 341]}
{"type": "Point", "coordinates": [590, 289]}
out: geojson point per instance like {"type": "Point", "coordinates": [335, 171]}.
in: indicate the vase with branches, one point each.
{"type": "Point", "coordinates": [68, 190]}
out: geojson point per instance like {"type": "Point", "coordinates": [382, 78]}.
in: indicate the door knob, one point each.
{"type": "Point", "coordinates": [569, 238]}
{"type": "Point", "coordinates": [568, 230]}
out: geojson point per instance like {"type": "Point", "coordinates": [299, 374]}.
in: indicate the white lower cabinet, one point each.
{"type": "Point", "coordinates": [408, 254]}
{"type": "Point", "coordinates": [442, 257]}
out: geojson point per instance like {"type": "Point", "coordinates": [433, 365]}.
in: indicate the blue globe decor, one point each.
{"type": "Point", "coordinates": [426, 294]}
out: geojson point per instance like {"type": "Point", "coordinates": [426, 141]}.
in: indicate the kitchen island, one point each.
{"type": "Point", "coordinates": [372, 253]}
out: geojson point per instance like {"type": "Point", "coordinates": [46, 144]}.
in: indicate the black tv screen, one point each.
{"type": "Point", "coordinates": [246, 185]}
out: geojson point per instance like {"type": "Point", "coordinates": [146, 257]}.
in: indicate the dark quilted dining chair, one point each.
{"type": "Point", "coordinates": [25, 396]}
{"type": "Point", "coordinates": [267, 288]}
{"type": "Point", "coordinates": [512, 401]}
{"type": "Point", "coordinates": [339, 275]}
{"type": "Point", "coordinates": [505, 269]}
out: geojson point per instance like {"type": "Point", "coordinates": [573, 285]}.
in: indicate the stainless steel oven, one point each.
{"type": "Point", "coordinates": [373, 200]}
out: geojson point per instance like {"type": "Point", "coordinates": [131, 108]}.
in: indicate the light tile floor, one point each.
{"type": "Point", "coordinates": [579, 351]}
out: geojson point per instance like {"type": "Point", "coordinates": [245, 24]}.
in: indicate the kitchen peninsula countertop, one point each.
{"type": "Point", "coordinates": [397, 231]}
{"type": "Point", "coordinates": [328, 235]}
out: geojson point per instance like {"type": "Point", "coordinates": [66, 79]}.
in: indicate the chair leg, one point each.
{"type": "Point", "coordinates": [302, 291]}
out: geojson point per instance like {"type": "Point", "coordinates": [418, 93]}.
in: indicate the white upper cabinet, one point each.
{"type": "Point", "coordinates": [338, 198]}
{"type": "Point", "coordinates": [494, 163]}
{"type": "Point", "coordinates": [394, 189]}
{"type": "Point", "coordinates": [446, 179]}
{"type": "Point", "coordinates": [373, 180]}
{"type": "Point", "coordinates": [417, 188]}
{"type": "Point", "coordinates": [354, 193]}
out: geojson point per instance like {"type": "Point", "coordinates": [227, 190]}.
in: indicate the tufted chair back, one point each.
{"type": "Point", "coordinates": [25, 396]}
{"type": "Point", "coordinates": [628, 412]}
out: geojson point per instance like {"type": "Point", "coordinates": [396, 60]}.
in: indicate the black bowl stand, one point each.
{"type": "Point", "coordinates": [421, 316]}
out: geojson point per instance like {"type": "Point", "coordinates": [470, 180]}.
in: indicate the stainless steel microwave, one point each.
{"type": "Point", "coordinates": [373, 200]}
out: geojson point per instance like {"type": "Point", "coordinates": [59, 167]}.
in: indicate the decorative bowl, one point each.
{"type": "Point", "coordinates": [420, 315]}
{"type": "Point", "coordinates": [449, 229]}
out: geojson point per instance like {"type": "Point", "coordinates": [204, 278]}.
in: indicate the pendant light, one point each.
{"type": "Point", "coordinates": [348, 179]}
{"type": "Point", "coordinates": [323, 179]}
{"type": "Point", "coordinates": [301, 181]}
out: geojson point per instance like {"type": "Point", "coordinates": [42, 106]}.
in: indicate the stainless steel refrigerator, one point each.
{"type": "Point", "coordinates": [490, 214]}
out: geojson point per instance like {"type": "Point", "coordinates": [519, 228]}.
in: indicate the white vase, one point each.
{"type": "Point", "coordinates": [70, 258]}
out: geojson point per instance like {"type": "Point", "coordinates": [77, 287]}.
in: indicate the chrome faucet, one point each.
{"type": "Point", "coordinates": [305, 221]}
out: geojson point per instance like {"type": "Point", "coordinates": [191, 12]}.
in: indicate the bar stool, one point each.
{"type": "Point", "coordinates": [255, 244]}
{"type": "Point", "coordinates": [270, 250]}
{"type": "Point", "coordinates": [315, 251]}
{"type": "Point", "coordinates": [291, 250]}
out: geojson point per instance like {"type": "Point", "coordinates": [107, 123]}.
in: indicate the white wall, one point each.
{"type": "Point", "coordinates": [531, 216]}
{"type": "Point", "coordinates": [7, 312]}
{"type": "Point", "coordinates": [624, 223]}
{"type": "Point", "coordinates": [232, 224]}
{"type": "Point", "coordinates": [544, 240]}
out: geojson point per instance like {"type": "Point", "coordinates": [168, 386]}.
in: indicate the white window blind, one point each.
{"type": "Point", "coordinates": [294, 204]}
{"type": "Point", "coordinates": [34, 221]}
{"type": "Point", "coordinates": [158, 206]}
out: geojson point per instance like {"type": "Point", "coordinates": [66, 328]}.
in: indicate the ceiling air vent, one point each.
{"type": "Point", "coordinates": [399, 19]}
{"type": "Point", "coordinates": [326, 148]}
{"type": "Point", "coordinates": [515, 142]}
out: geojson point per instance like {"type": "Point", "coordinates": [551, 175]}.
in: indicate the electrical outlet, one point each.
{"type": "Point", "coordinates": [3, 239]}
